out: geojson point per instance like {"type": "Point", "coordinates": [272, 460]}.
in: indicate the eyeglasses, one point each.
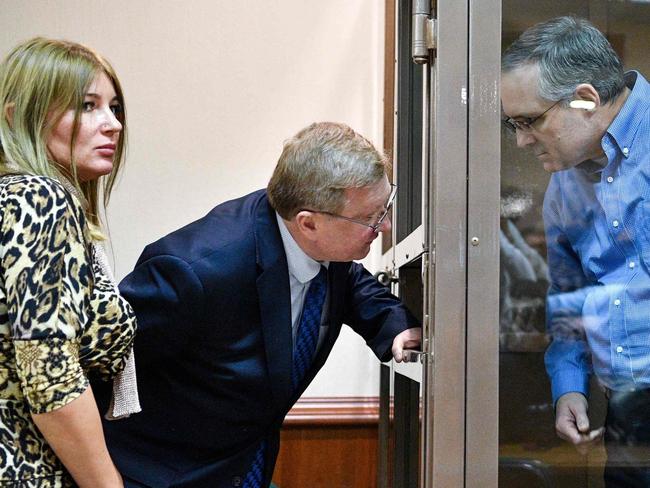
{"type": "Point", "coordinates": [375, 227]}
{"type": "Point", "coordinates": [525, 124]}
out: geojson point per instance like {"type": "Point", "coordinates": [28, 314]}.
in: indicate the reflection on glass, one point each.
{"type": "Point", "coordinates": [575, 221]}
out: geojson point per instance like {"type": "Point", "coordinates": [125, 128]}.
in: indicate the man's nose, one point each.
{"type": "Point", "coordinates": [524, 138]}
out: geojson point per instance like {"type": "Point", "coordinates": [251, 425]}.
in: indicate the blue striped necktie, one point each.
{"type": "Point", "coordinates": [255, 475]}
{"type": "Point", "coordinates": [303, 355]}
{"type": "Point", "coordinates": [307, 336]}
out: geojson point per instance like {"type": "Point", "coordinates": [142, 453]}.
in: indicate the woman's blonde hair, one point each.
{"type": "Point", "coordinates": [40, 80]}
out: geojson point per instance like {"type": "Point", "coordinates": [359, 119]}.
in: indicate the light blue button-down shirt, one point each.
{"type": "Point", "coordinates": [597, 224]}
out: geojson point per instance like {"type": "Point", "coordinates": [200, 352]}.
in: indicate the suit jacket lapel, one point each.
{"type": "Point", "coordinates": [275, 302]}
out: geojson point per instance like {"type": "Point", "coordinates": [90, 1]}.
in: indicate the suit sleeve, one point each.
{"type": "Point", "coordinates": [374, 313]}
{"type": "Point", "coordinates": [567, 357]}
{"type": "Point", "coordinates": [168, 300]}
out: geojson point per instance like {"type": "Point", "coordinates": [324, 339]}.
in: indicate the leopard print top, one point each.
{"type": "Point", "coordinates": [61, 320]}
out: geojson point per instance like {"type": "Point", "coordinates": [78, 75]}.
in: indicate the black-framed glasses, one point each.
{"type": "Point", "coordinates": [524, 124]}
{"type": "Point", "coordinates": [375, 227]}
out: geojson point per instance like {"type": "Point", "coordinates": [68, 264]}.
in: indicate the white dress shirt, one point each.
{"type": "Point", "coordinates": [302, 269]}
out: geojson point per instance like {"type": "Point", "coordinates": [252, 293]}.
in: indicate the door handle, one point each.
{"type": "Point", "coordinates": [413, 356]}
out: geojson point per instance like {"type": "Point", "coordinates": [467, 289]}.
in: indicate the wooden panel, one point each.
{"type": "Point", "coordinates": [329, 443]}
{"type": "Point", "coordinates": [334, 410]}
{"type": "Point", "coordinates": [389, 95]}
{"type": "Point", "coordinates": [327, 457]}
{"type": "Point", "coordinates": [389, 74]}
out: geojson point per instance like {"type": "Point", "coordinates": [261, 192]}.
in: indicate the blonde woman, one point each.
{"type": "Point", "coordinates": [62, 321]}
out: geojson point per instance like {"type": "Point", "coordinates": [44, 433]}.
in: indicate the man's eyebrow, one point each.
{"type": "Point", "coordinates": [517, 116]}
{"type": "Point", "coordinates": [506, 116]}
{"type": "Point", "coordinates": [383, 206]}
{"type": "Point", "coordinates": [521, 116]}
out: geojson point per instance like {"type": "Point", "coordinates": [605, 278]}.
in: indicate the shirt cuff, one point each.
{"type": "Point", "coordinates": [569, 381]}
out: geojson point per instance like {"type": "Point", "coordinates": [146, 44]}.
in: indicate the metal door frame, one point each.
{"type": "Point", "coordinates": [444, 427]}
{"type": "Point", "coordinates": [460, 372]}
{"type": "Point", "coordinates": [484, 157]}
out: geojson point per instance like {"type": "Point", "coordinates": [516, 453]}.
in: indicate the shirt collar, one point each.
{"type": "Point", "coordinates": [300, 265]}
{"type": "Point", "coordinates": [624, 127]}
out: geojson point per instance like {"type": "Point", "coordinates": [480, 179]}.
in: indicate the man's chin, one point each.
{"type": "Point", "coordinates": [362, 253]}
{"type": "Point", "coordinates": [550, 165]}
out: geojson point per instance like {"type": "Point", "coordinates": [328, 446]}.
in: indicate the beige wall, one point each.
{"type": "Point", "coordinates": [212, 88]}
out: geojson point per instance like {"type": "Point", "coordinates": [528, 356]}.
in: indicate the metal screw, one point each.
{"type": "Point", "coordinates": [475, 241]}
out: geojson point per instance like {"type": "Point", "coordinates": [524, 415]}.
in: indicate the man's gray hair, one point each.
{"type": "Point", "coordinates": [568, 51]}
{"type": "Point", "coordinates": [318, 164]}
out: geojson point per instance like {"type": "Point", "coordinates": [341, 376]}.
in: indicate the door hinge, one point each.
{"type": "Point", "coordinates": [423, 31]}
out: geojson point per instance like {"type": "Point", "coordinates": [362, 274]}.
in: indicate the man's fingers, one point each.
{"type": "Point", "coordinates": [596, 434]}
{"type": "Point", "coordinates": [579, 411]}
{"type": "Point", "coordinates": [589, 440]}
{"type": "Point", "coordinates": [397, 353]}
{"type": "Point", "coordinates": [567, 430]}
{"type": "Point", "coordinates": [408, 339]}
{"type": "Point", "coordinates": [582, 422]}
{"type": "Point", "coordinates": [572, 422]}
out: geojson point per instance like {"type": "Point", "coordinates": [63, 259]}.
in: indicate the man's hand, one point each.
{"type": "Point", "coordinates": [572, 423]}
{"type": "Point", "coordinates": [409, 339]}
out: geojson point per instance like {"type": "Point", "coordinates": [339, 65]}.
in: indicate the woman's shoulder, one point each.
{"type": "Point", "coordinates": [27, 183]}
{"type": "Point", "coordinates": [30, 199]}
{"type": "Point", "coordinates": [42, 193]}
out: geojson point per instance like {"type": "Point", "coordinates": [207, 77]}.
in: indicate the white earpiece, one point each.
{"type": "Point", "coordinates": [583, 104]}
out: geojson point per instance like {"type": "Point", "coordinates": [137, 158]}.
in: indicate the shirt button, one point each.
{"type": "Point", "coordinates": [631, 265]}
{"type": "Point", "coordinates": [237, 481]}
{"type": "Point", "coordinates": [626, 151]}
{"type": "Point", "coordinates": [610, 179]}
{"type": "Point", "coordinates": [617, 302]}
{"type": "Point", "coordinates": [615, 223]}
{"type": "Point", "coordinates": [619, 349]}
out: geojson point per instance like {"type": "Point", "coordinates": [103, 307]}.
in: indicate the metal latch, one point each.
{"type": "Point", "coordinates": [385, 278]}
{"type": "Point", "coordinates": [412, 356]}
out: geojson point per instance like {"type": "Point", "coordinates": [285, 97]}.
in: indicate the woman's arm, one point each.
{"type": "Point", "coordinates": [75, 433]}
{"type": "Point", "coordinates": [46, 267]}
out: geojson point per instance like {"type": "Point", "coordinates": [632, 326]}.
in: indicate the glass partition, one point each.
{"type": "Point", "coordinates": [408, 154]}
{"type": "Point", "coordinates": [530, 452]}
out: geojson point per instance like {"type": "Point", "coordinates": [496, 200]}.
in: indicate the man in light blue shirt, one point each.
{"type": "Point", "coordinates": [565, 95]}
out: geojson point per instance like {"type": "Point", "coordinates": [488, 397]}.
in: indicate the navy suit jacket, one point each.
{"type": "Point", "coordinates": [214, 347]}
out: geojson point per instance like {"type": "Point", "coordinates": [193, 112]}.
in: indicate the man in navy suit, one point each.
{"type": "Point", "coordinates": [219, 307]}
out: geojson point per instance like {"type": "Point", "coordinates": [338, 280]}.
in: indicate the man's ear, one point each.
{"type": "Point", "coordinates": [305, 222]}
{"type": "Point", "coordinates": [585, 97]}
{"type": "Point", "coordinates": [8, 112]}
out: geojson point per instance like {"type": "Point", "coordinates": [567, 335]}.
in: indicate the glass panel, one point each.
{"type": "Point", "coordinates": [407, 393]}
{"type": "Point", "coordinates": [386, 440]}
{"type": "Point", "coordinates": [408, 162]}
{"type": "Point", "coordinates": [406, 470]}
{"type": "Point", "coordinates": [600, 270]}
